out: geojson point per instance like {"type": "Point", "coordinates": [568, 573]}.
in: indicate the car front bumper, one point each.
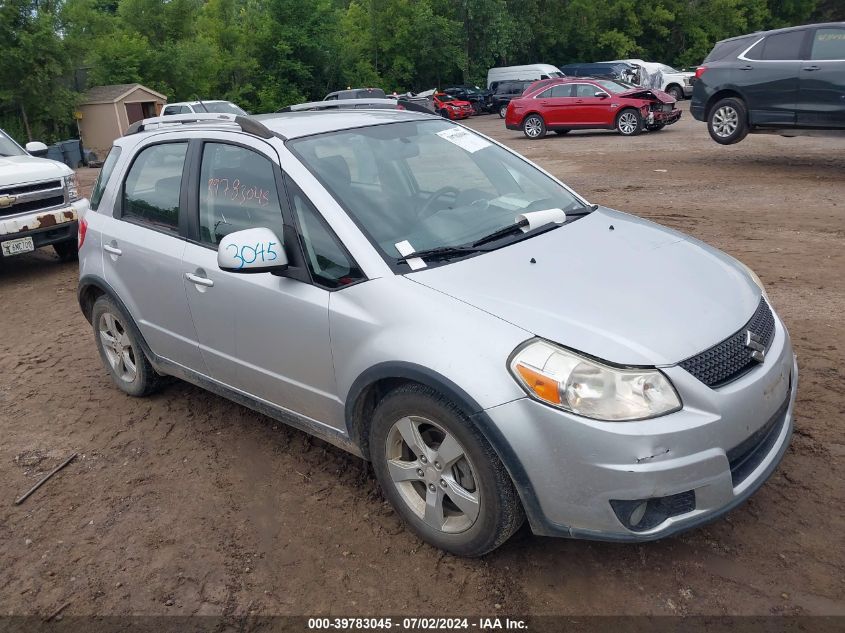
{"type": "Point", "coordinates": [664, 118]}
{"type": "Point", "coordinates": [44, 227]}
{"type": "Point", "coordinates": [575, 467]}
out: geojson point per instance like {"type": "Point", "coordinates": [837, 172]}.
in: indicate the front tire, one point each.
{"type": "Point", "coordinates": [441, 476]}
{"type": "Point", "coordinates": [629, 122]}
{"type": "Point", "coordinates": [120, 350]}
{"type": "Point", "coordinates": [534, 126]}
{"type": "Point", "coordinates": [727, 121]}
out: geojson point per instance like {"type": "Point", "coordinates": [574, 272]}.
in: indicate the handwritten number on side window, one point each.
{"type": "Point", "coordinates": [247, 254]}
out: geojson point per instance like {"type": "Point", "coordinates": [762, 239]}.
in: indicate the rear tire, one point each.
{"type": "Point", "coordinates": [66, 250]}
{"type": "Point", "coordinates": [534, 126]}
{"type": "Point", "coordinates": [464, 501]}
{"type": "Point", "coordinates": [629, 122]}
{"type": "Point", "coordinates": [120, 349]}
{"type": "Point", "coordinates": [676, 93]}
{"type": "Point", "coordinates": [727, 121]}
{"type": "Point", "coordinates": [503, 111]}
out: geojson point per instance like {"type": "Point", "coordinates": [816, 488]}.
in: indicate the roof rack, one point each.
{"type": "Point", "coordinates": [247, 124]}
{"type": "Point", "coordinates": [342, 104]}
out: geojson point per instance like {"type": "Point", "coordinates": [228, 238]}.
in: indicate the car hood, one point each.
{"type": "Point", "coordinates": [610, 285]}
{"type": "Point", "coordinates": [457, 102]}
{"type": "Point", "coordinates": [652, 94]}
{"type": "Point", "coordinates": [15, 170]}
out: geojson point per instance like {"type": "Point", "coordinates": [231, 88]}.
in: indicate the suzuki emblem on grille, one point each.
{"type": "Point", "coordinates": [7, 201]}
{"type": "Point", "coordinates": [755, 344]}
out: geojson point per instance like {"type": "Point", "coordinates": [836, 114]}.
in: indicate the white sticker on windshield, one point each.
{"type": "Point", "coordinates": [464, 139]}
{"type": "Point", "coordinates": [404, 247]}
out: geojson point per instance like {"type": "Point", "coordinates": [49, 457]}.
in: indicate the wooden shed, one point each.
{"type": "Point", "coordinates": [106, 112]}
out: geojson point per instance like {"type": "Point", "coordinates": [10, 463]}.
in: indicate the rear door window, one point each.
{"type": "Point", "coordinates": [782, 46]}
{"type": "Point", "coordinates": [152, 189]}
{"type": "Point", "coordinates": [828, 44]}
{"type": "Point", "coordinates": [562, 91]}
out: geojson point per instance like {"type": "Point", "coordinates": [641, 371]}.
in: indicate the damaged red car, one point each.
{"type": "Point", "coordinates": [584, 103]}
{"type": "Point", "coordinates": [450, 107]}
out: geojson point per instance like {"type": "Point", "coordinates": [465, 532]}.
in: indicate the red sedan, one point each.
{"type": "Point", "coordinates": [451, 108]}
{"type": "Point", "coordinates": [583, 103]}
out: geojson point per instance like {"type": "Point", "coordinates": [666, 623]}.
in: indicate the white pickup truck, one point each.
{"type": "Point", "coordinates": [40, 201]}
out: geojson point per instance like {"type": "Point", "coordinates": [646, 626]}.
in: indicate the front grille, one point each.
{"type": "Point", "coordinates": [743, 459]}
{"type": "Point", "coordinates": [33, 205]}
{"type": "Point", "coordinates": [38, 186]}
{"type": "Point", "coordinates": [730, 359]}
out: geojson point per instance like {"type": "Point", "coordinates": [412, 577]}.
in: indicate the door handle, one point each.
{"type": "Point", "coordinates": [200, 281]}
{"type": "Point", "coordinates": [747, 67]}
{"type": "Point", "coordinates": [810, 68]}
{"type": "Point", "coordinates": [114, 250]}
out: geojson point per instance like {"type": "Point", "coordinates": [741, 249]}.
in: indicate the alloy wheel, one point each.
{"type": "Point", "coordinates": [628, 123]}
{"type": "Point", "coordinates": [533, 127]}
{"type": "Point", "coordinates": [725, 121]}
{"type": "Point", "coordinates": [433, 474]}
{"type": "Point", "coordinates": [118, 347]}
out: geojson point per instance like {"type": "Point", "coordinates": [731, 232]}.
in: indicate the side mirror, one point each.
{"type": "Point", "coordinates": [256, 250]}
{"type": "Point", "coordinates": [601, 95]}
{"type": "Point", "coordinates": [36, 148]}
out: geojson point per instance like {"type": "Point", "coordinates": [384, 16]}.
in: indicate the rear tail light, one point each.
{"type": "Point", "coordinates": [700, 71]}
{"type": "Point", "coordinates": [81, 231]}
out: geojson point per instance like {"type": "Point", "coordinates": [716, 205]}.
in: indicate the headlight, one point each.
{"type": "Point", "coordinates": [755, 279]}
{"type": "Point", "coordinates": [587, 387]}
{"type": "Point", "coordinates": [72, 186]}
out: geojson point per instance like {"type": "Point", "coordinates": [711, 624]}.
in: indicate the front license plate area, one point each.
{"type": "Point", "coordinates": [18, 246]}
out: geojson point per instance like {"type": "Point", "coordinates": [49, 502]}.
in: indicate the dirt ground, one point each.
{"type": "Point", "coordinates": [185, 503]}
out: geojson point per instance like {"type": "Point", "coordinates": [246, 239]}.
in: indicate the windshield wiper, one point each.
{"type": "Point", "coordinates": [442, 252]}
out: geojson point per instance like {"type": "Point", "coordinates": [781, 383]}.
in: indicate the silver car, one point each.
{"type": "Point", "coordinates": [421, 296]}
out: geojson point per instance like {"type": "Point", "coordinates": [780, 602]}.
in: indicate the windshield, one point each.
{"type": "Point", "coordinates": [666, 69]}
{"type": "Point", "coordinates": [222, 107]}
{"type": "Point", "coordinates": [445, 97]}
{"type": "Point", "coordinates": [8, 147]}
{"type": "Point", "coordinates": [614, 86]}
{"type": "Point", "coordinates": [429, 183]}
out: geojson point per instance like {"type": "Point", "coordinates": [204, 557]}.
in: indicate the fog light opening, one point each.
{"type": "Point", "coordinates": [637, 514]}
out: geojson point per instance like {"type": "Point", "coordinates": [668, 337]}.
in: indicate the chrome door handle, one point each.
{"type": "Point", "coordinates": [200, 281]}
{"type": "Point", "coordinates": [114, 250]}
{"type": "Point", "coordinates": [810, 68]}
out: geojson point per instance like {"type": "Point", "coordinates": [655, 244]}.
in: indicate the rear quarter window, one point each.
{"type": "Point", "coordinates": [725, 49]}
{"type": "Point", "coordinates": [103, 178]}
{"type": "Point", "coordinates": [782, 46]}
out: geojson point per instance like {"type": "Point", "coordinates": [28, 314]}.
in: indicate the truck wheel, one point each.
{"type": "Point", "coordinates": [440, 474]}
{"type": "Point", "coordinates": [120, 349]}
{"type": "Point", "coordinates": [675, 92]}
{"type": "Point", "coordinates": [629, 122]}
{"type": "Point", "coordinates": [727, 121]}
{"type": "Point", "coordinates": [503, 111]}
{"type": "Point", "coordinates": [533, 126]}
{"type": "Point", "coordinates": [66, 250]}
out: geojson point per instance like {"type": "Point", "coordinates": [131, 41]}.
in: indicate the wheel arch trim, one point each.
{"type": "Point", "coordinates": [411, 372]}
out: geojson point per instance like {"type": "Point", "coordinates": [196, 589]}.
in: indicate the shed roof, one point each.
{"type": "Point", "coordinates": [113, 93]}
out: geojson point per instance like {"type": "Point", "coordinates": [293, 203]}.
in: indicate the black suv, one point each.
{"type": "Point", "coordinates": [775, 81]}
{"type": "Point", "coordinates": [504, 91]}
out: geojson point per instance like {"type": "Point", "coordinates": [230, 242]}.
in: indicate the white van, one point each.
{"type": "Point", "coordinates": [529, 72]}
